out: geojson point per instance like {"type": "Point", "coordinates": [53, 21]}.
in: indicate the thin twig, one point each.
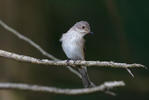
{"type": "Point", "coordinates": [129, 71]}
{"type": "Point", "coordinates": [102, 88]}
{"type": "Point", "coordinates": [32, 43]}
{"type": "Point", "coordinates": [29, 59]}
{"type": "Point", "coordinates": [20, 36]}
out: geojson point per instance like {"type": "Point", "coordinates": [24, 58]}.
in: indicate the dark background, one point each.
{"type": "Point", "coordinates": [120, 34]}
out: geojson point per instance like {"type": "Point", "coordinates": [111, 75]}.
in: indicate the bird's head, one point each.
{"type": "Point", "coordinates": [82, 27]}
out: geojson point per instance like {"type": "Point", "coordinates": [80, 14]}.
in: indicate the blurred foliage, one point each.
{"type": "Point", "coordinates": [120, 34]}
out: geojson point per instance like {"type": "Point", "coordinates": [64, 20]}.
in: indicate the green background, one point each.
{"type": "Point", "coordinates": [120, 34]}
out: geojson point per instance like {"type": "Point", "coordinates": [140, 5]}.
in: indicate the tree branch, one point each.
{"type": "Point", "coordinates": [29, 59]}
{"type": "Point", "coordinates": [55, 61]}
{"type": "Point", "coordinates": [20, 36]}
{"type": "Point", "coordinates": [32, 43]}
{"type": "Point", "coordinates": [102, 88]}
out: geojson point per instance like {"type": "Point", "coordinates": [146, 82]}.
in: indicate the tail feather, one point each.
{"type": "Point", "coordinates": [85, 78]}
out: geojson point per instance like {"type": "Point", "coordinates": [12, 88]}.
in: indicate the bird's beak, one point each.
{"type": "Point", "coordinates": [91, 33]}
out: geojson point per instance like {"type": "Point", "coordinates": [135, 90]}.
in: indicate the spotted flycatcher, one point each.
{"type": "Point", "coordinates": [73, 46]}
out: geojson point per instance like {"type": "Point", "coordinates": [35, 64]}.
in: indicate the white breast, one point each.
{"type": "Point", "coordinates": [73, 44]}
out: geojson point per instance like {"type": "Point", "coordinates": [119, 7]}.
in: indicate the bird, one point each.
{"type": "Point", "coordinates": [73, 46]}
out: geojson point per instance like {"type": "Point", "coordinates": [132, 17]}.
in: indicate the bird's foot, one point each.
{"type": "Point", "coordinates": [74, 61]}
{"type": "Point", "coordinates": [68, 60]}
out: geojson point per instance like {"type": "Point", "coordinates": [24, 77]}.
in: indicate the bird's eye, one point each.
{"type": "Point", "coordinates": [83, 27]}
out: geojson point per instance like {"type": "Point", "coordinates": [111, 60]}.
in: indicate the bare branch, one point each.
{"type": "Point", "coordinates": [129, 71]}
{"type": "Point", "coordinates": [28, 59]}
{"type": "Point", "coordinates": [20, 36]}
{"type": "Point", "coordinates": [102, 88]}
{"type": "Point", "coordinates": [32, 43]}
{"type": "Point", "coordinates": [55, 61]}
